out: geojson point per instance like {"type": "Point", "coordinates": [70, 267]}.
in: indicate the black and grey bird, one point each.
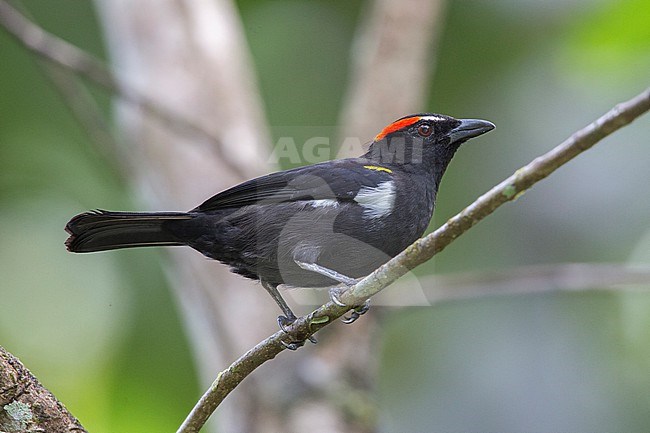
{"type": "Point", "coordinates": [313, 226]}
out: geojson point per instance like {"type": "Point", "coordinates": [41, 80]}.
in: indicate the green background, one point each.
{"type": "Point", "coordinates": [106, 337]}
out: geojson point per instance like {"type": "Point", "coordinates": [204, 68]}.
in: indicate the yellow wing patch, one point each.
{"type": "Point", "coordinates": [378, 168]}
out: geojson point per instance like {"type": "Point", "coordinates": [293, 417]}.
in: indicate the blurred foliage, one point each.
{"type": "Point", "coordinates": [613, 39]}
{"type": "Point", "coordinates": [103, 333]}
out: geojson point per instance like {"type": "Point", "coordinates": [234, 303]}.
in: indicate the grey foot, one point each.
{"type": "Point", "coordinates": [358, 311]}
{"type": "Point", "coordinates": [283, 322]}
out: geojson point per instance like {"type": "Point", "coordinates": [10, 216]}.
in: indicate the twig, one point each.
{"type": "Point", "coordinates": [419, 252]}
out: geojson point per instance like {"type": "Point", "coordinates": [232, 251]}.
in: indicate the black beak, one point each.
{"type": "Point", "coordinates": [470, 128]}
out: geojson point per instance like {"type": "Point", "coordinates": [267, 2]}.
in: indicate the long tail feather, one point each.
{"type": "Point", "coordinates": [104, 230]}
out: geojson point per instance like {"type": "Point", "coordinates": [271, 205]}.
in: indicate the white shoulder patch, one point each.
{"type": "Point", "coordinates": [378, 201]}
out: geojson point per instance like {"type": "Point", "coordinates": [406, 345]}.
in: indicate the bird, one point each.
{"type": "Point", "coordinates": [318, 225]}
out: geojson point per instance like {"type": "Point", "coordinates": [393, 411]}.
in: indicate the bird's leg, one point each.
{"type": "Point", "coordinates": [288, 318]}
{"type": "Point", "coordinates": [335, 292]}
{"type": "Point", "coordinates": [330, 273]}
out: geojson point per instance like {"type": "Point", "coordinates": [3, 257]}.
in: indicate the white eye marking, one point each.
{"type": "Point", "coordinates": [432, 118]}
{"type": "Point", "coordinates": [378, 201]}
{"type": "Point", "coordinates": [327, 202]}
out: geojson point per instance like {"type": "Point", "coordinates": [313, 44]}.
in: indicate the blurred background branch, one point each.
{"type": "Point", "coordinates": [521, 280]}
{"type": "Point", "coordinates": [50, 47]}
{"type": "Point", "coordinates": [70, 57]}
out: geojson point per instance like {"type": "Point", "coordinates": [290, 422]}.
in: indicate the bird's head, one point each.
{"type": "Point", "coordinates": [424, 141]}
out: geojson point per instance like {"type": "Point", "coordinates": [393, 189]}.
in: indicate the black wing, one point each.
{"type": "Point", "coordinates": [340, 180]}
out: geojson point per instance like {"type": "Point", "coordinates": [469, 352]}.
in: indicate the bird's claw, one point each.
{"type": "Point", "coordinates": [335, 296]}
{"type": "Point", "coordinates": [283, 322]}
{"type": "Point", "coordinates": [356, 313]}
{"type": "Point", "coordinates": [294, 345]}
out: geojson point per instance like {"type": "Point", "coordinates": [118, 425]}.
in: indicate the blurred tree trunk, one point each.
{"type": "Point", "coordinates": [392, 61]}
{"type": "Point", "coordinates": [191, 56]}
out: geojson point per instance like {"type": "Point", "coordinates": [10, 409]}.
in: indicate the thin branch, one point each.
{"type": "Point", "coordinates": [416, 254]}
{"type": "Point", "coordinates": [62, 53]}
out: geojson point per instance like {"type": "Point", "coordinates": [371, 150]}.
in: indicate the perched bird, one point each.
{"type": "Point", "coordinates": [312, 226]}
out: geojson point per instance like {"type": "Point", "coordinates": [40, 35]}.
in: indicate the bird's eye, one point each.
{"type": "Point", "coordinates": [425, 130]}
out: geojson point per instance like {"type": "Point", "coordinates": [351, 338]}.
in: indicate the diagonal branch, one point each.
{"type": "Point", "coordinates": [75, 95]}
{"type": "Point", "coordinates": [55, 49]}
{"type": "Point", "coordinates": [416, 254]}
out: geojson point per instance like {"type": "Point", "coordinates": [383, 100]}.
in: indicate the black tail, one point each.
{"type": "Point", "coordinates": [103, 230]}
